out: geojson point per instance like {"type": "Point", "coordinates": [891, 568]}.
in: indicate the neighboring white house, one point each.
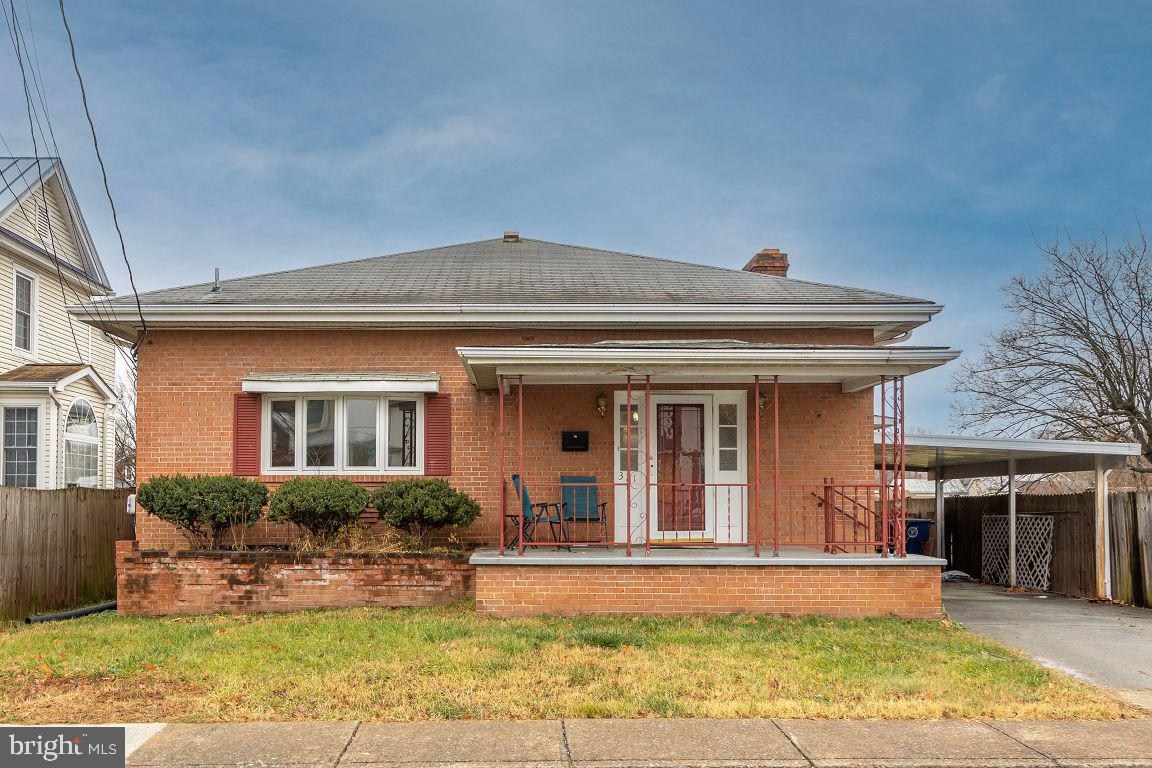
{"type": "Point", "coordinates": [57, 406]}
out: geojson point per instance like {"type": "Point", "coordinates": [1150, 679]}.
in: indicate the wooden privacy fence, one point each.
{"type": "Point", "coordinates": [57, 548]}
{"type": "Point", "coordinates": [1073, 538]}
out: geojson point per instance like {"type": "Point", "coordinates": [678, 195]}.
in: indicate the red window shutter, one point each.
{"type": "Point", "coordinates": [438, 435]}
{"type": "Point", "coordinates": [246, 435]}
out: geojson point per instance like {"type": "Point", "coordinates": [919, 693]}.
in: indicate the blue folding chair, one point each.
{"type": "Point", "coordinates": [532, 514]}
{"type": "Point", "coordinates": [580, 503]}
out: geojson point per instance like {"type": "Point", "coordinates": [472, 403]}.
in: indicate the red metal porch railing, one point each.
{"type": "Point", "coordinates": [860, 516]}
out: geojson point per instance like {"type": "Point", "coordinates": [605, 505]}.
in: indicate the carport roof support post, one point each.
{"type": "Point", "coordinates": [1103, 550]}
{"type": "Point", "coordinates": [940, 518]}
{"type": "Point", "coordinates": [1011, 522]}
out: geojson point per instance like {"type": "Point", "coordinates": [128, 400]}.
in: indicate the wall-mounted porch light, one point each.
{"type": "Point", "coordinates": [601, 404]}
{"type": "Point", "coordinates": [763, 405]}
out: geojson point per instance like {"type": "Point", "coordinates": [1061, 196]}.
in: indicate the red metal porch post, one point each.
{"type": "Point", "coordinates": [520, 438]}
{"type": "Point", "coordinates": [628, 468]}
{"type": "Point", "coordinates": [902, 511]}
{"type": "Point", "coordinates": [883, 467]}
{"type": "Point", "coordinates": [647, 466]}
{"type": "Point", "coordinates": [756, 472]}
{"type": "Point", "coordinates": [775, 465]}
{"type": "Point", "coordinates": [500, 464]}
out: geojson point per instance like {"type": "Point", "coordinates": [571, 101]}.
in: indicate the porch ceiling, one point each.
{"type": "Point", "coordinates": [855, 368]}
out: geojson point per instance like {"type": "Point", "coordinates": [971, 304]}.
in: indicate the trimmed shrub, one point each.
{"type": "Point", "coordinates": [208, 508]}
{"type": "Point", "coordinates": [420, 505]}
{"type": "Point", "coordinates": [325, 506]}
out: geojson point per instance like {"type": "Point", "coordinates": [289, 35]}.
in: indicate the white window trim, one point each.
{"type": "Point", "coordinates": [341, 436]}
{"type": "Point", "coordinates": [41, 437]}
{"type": "Point", "coordinates": [33, 326]}
{"type": "Point", "coordinates": [67, 436]}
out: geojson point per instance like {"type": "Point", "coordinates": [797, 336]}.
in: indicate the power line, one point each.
{"type": "Point", "coordinates": [104, 175]}
{"type": "Point", "coordinates": [20, 46]}
{"type": "Point", "coordinates": [14, 33]}
{"type": "Point", "coordinates": [33, 59]}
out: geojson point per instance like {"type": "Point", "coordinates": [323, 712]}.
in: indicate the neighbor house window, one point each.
{"type": "Point", "coordinates": [81, 446]}
{"type": "Point", "coordinates": [351, 434]}
{"type": "Point", "coordinates": [21, 431]}
{"type": "Point", "coordinates": [24, 317]}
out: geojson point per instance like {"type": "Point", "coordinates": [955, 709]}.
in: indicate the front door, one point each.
{"type": "Point", "coordinates": [680, 491]}
{"type": "Point", "coordinates": [688, 452]}
{"type": "Point", "coordinates": [683, 451]}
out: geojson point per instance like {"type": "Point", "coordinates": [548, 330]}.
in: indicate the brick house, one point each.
{"type": "Point", "coordinates": [704, 437]}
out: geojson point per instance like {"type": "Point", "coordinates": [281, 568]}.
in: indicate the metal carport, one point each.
{"type": "Point", "coordinates": [951, 457]}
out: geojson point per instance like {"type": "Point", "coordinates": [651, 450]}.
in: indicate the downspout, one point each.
{"type": "Point", "coordinates": [54, 449]}
{"type": "Point", "coordinates": [896, 339]}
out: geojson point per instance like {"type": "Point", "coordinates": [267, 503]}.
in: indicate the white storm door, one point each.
{"type": "Point", "coordinates": [630, 465]}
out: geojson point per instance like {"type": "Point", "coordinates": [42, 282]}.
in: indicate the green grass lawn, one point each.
{"type": "Point", "coordinates": [449, 663]}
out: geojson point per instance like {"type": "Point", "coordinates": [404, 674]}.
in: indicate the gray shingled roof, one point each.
{"type": "Point", "coordinates": [526, 272]}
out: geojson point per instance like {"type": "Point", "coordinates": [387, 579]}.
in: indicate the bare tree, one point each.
{"type": "Point", "coordinates": [1076, 360]}
{"type": "Point", "coordinates": [125, 425]}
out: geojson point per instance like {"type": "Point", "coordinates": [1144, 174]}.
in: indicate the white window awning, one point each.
{"type": "Point", "coordinates": [855, 368]}
{"type": "Point", "coordinates": [341, 382]}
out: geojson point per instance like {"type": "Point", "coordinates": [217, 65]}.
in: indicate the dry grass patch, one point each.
{"type": "Point", "coordinates": [449, 663]}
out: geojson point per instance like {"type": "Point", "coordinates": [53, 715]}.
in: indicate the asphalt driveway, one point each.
{"type": "Point", "coordinates": [1108, 645]}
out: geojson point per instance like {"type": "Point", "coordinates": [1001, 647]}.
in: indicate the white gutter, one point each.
{"type": "Point", "coordinates": [86, 284]}
{"type": "Point", "coordinates": [638, 355]}
{"type": "Point", "coordinates": [751, 315]}
{"type": "Point", "coordinates": [857, 368]}
{"type": "Point", "coordinates": [1023, 444]}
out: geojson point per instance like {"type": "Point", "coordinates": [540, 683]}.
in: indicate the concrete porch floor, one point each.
{"type": "Point", "coordinates": [692, 555]}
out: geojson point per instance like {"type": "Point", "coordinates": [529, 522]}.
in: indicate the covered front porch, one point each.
{"type": "Point", "coordinates": [701, 477]}
{"type": "Point", "coordinates": [632, 447]}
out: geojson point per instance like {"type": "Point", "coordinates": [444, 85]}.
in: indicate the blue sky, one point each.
{"type": "Point", "coordinates": [911, 147]}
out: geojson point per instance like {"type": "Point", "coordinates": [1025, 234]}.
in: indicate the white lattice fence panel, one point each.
{"type": "Point", "coordinates": [1033, 550]}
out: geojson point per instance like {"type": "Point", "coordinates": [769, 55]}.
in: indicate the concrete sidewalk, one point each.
{"type": "Point", "coordinates": [652, 743]}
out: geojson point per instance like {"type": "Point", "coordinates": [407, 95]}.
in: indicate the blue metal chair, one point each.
{"type": "Point", "coordinates": [532, 514]}
{"type": "Point", "coordinates": [580, 503]}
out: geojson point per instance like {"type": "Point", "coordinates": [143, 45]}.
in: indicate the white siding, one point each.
{"type": "Point", "coordinates": [52, 326]}
{"type": "Point", "coordinates": [24, 220]}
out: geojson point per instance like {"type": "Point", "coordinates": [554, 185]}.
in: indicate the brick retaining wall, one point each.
{"type": "Point", "coordinates": [840, 591]}
{"type": "Point", "coordinates": [153, 582]}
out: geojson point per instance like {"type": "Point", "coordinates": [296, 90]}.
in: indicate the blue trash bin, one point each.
{"type": "Point", "coordinates": [916, 532]}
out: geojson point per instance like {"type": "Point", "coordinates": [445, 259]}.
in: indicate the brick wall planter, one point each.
{"type": "Point", "coordinates": [152, 582]}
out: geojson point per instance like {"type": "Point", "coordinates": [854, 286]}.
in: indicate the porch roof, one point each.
{"type": "Point", "coordinates": [855, 368]}
{"type": "Point", "coordinates": [947, 457]}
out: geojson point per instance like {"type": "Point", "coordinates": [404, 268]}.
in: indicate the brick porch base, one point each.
{"type": "Point", "coordinates": [910, 591]}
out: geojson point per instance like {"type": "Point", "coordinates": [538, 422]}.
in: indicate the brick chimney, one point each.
{"type": "Point", "coordinates": [769, 262]}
